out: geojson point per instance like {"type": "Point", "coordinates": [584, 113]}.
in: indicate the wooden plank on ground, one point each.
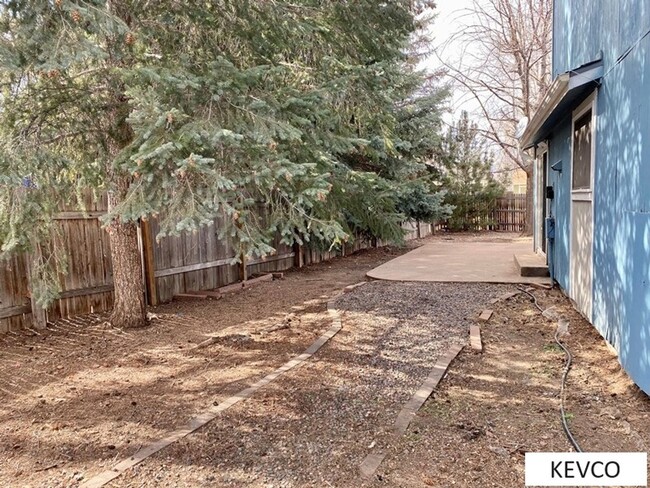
{"type": "Point", "coordinates": [417, 400]}
{"type": "Point", "coordinates": [259, 279]}
{"type": "Point", "coordinates": [350, 288]}
{"type": "Point", "coordinates": [190, 296]}
{"type": "Point", "coordinates": [475, 338]}
{"type": "Point", "coordinates": [207, 293]}
{"type": "Point", "coordinates": [485, 315]}
{"type": "Point", "coordinates": [231, 288]}
{"type": "Point", "coordinates": [370, 464]}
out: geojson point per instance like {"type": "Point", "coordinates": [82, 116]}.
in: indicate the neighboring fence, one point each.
{"type": "Point", "coordinates": [200, 261]}
{"type": "Point", "coordinates": [174, 265]}
{"type": "Point", "coordinates": [86, 287]}
{"type": "Point", "coordinates": [509, 213]}
{"type": "Point", "coordinates": [506, 214]}
{"type": "Point", "coordinates": [14, 294]}
{"type": "Point", "coordinates": [88, 284]}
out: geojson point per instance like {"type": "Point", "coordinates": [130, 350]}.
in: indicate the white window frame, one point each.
{"type": "Point", "coordinates": [540, 197]}
{"type": "Point", "coordinates": [585, 194]}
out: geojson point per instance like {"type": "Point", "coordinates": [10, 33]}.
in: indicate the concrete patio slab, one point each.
{"type": "Point", "coordinates": [460, 261]}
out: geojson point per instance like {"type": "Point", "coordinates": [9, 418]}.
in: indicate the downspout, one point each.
{"type": "Point", "coordinates": [525, 159]}
{"type": "Point", "coordinates": [551, 249]}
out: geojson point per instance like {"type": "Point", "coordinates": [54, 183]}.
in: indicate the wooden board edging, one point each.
{"type": "Point", "coordinates": [213, 412]}
{"type": "Point", "coordinates": [372, 461]}
{"type": "Point", "coordinates": [475, 338]}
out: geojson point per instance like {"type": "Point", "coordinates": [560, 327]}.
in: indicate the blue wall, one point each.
{"type": "Point", "coordinates": [621, 293]}
{"type": "Point", "coordinates": [559, 149]}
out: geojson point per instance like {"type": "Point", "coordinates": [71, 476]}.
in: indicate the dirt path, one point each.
{"type": "Point", "coordinates": [315, 425]}
{"type": "Point", "coordinates": [80, 396]}
{"type": "Point", "coordinates": [494, 407]}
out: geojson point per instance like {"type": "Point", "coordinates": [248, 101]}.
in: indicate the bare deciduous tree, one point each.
{"type": "Point", "coordinates": [505, 66]}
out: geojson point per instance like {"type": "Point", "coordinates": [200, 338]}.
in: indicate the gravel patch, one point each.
{"type": "Point", "coordinates": [315, 425]}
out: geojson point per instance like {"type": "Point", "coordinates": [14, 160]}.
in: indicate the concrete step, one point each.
{"type": "Point", "coordinates": [531, 265]}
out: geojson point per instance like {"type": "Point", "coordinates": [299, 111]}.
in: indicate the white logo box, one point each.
{"type": "Point", "coordinates": [586, 469]}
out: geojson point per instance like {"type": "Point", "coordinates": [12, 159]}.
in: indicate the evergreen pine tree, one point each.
{"type": "Point", "coordinates": [466, 169]}
{"type": "Point", "coordinates": [186, 110]}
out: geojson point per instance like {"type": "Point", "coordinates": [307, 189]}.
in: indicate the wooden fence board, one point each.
{"type": "Point", "coordinates": [509, 213]}
{"type": "Point", "coordinates": [14, 293]}
{"type": "Point", "coordinates": [86, 287]}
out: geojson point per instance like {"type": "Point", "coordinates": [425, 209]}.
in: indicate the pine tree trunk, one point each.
{"type": "Point", "coordinates": [129, 309]}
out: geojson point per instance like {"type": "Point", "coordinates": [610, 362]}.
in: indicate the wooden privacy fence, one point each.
{"type": "Point", "coordinates": [509, 213]}
{"type": "Point", "coordinates": [86, 287]}
{"type": "Point", "coordinates": [505, 214]}
{"type": "Point", "coordinates": [172, 266]}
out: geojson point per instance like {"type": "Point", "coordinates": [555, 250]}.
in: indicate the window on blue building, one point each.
{"type": "Point", "coordinates": [582, 152]}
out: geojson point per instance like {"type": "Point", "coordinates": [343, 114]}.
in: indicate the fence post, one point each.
{"type": "Point", "coordinates": [243, 266]}
{"type": "Point", "coordinates": [298, 259]}
{"type": "Point", "coordinates": [39, 314]}
{"type": "Point", "coordinates": [149, 261]}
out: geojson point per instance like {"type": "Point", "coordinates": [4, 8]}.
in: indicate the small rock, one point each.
{"type": "Point", "coordinates": [474, 434]}
{"type": "Point", "coordinates": [611, 412]}
{"type": "Point", "coordinates": [499, 450]}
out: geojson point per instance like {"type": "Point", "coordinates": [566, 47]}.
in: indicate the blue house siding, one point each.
{"type": "Point", "coordinates": [560, 150]}
{"type": "Point", "coordinates": [621, 198]}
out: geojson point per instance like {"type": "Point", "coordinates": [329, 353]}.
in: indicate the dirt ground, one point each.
{"type": "Point", "coordinates": [80, 397]}
{"type": "Point", "coordinates": [493, 407]}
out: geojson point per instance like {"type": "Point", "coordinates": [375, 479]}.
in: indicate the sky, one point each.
{"type": "Point", "coordinates": [451, 17]}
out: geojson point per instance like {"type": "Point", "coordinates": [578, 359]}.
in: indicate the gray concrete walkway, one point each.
{"type": "Point", "coordinates": [459, 261]}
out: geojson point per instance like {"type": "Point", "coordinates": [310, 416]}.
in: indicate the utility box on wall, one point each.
{"type": "Point", "coordinates": [550, 228]}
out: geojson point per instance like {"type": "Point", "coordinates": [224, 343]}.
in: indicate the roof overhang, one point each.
{"type": "Point", "coordinates": [566, 92]}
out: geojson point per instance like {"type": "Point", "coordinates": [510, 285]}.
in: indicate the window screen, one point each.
{"type": "Point", "coordinates": [582, 152]}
